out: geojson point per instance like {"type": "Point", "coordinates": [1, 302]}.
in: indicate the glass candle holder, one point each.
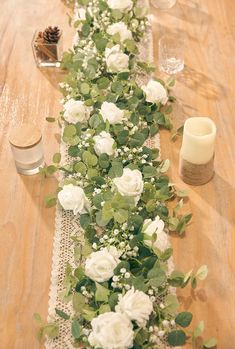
{"type": "Point", "coordinates": [46, 54]}
{"type": "Point", "coordinates": [163, 4]}
{"type": "Point", "coordinates": [27, 149]}
{"type": "Point", "coordinates": [171, 53]}
{"type": "Point", "coordinates": [197, 151]}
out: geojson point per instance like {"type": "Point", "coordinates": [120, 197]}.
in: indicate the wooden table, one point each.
{"type": "Point", "coordinates": [26, 227]}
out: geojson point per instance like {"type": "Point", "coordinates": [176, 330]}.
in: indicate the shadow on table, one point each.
{"type": "Point", "coordinates": [201, 83]}
{"type": "Point", "coordinates": [190, 11]}
{"type": "Point", "coordinates": [53, 75]}
{"type": "Point", "coordinates": [225, 193]}
{"type": "Point", "coordinates": [38, 188]}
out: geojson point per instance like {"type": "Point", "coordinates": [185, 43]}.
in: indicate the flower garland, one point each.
{"type": "Point", "coordinates": [120, 288]}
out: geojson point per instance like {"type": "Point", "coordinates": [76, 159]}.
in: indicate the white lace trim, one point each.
{"type": "Point", "coordinates": [66, 225]}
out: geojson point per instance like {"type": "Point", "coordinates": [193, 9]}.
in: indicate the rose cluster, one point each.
{"type": "Point", "coordinates": [114, 184]}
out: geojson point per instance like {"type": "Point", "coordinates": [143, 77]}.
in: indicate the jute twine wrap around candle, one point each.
{"type": "Point", "coordinates": [197, 151]}
{"type": "Point", "coordinates": [196, 174]}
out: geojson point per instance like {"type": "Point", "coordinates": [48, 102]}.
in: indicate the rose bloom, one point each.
{"type": "Point", "coordinates": [156, 227]}
{"type": "Point", "coordinates": [76, 111]}
{"type": "Point", "coordinates": [136, 305]}
{"type": "Point", "coordinates": [111, 331]}
{"type": "Point", "coordinates": [100, 265]}
{"type": "Point", "coordinates": [130, 183]}
{"type": "Point", "coordinates": [121, 29]}
{"type": "Point", "coordinates": [104, 143]}
{"type": "Point", "coordinates": [116, 60]}
{"type": "Point", "coordinates": [122, 5]}
{"type": "Point", "coordinates": [155, 92]}
{"type": "Point", "coordinates": [72, 197]}
{"type": "Point", "coordinates": [112, 113]}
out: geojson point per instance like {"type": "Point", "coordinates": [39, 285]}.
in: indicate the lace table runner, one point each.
{"type": "Point", "coordinates": [67, 225]}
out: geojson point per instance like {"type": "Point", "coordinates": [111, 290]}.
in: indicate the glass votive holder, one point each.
{"type": "Point", "coordinates": [27, 149]}
{"type": "Point", "coordinates": [196, 166]}
{"type": "Point", "coordinates": [46, 54]}
{"type": "Point", "coordinates": [171, 53]}
{"type": "Point", "coordinates": [163, 4]}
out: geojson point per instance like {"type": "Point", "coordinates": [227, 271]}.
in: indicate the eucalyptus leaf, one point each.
{"type": "Point", "coordinates": [78, 302]}
{"type": "Point", "coordinates": [102, 293]}
{"type": "Point", "coordinates": [210, 343]}
{"type": "Point", "coordinates": [184, 319]}
{"type": "Point", "coordinates": [176, 338]}
{"type": "Point", "coordinates": [62, 314]}
{"type": "Point", "coordinates": [76, 329]}
{"type": "Point", "coordinates": [202, 273]}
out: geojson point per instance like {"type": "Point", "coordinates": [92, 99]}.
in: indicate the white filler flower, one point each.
{"type": "Point", "coordinates": [112, 113]}
{"type": "Point", "coordinates": [121, 29]}
{"type": "Point", "coordinates": [104, 143]}
{"type": "Point", "coordinates": [130, 183]}
{"type": "Point", "coordinates": [156, 227]}
{"type": "Point", "coordinates": [116, 60]}
{"type": "Point", "coordinates": [72, 197]}
{"type": "Point", "coordinates": [136, 305]}
{"type": "Point", "coordinates": [122, 5]}
{"type": "Point", "coordinates": [100, 265]}
{"type": "Point", "coordinates": [76, 111]}
{"type": "Point", "coordinates": [155, 92]}
{"type": "Point", "coordinates": [111, 331]}
{"type": "Point", "coordinates": [80, 15]}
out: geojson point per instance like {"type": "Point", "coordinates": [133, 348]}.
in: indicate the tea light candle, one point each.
{"type": "Point", "coordinates": [27, 149]}
{"type": "Point", "coordinates": [197, 151]}
{"type": "Point", "coordinates": [163, 4]}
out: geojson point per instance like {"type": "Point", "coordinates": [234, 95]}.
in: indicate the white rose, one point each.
{"type": "Point", "coordinates": [116, 60]}
{"type": "Point", "coordinates": [111, 331]}
{"type": "Point", "coordinates": [122, 5]}
{"type": "Point", "coordinates": [76, 111]}
{"type": "Point", "coordinates": [121, 29]}
{"type": "Point", "coordinates": [104, 143]}
{"type": "Point", "coordinates": [112, 113]}
{"type": "Point", "coordinates": [72, 197]}
{"type": "Point", "coordinates": [99, 266]}
{"type": "Point", "coordinates": [155, 92]}
{"type": "Point", "coordinates": [130, 183]}
{"type": "Point", "coordinates": [136, 305]}
{"type": "Point", "coordinates": [156, 227]}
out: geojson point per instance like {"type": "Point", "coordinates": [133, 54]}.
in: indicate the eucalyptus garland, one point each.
{"type": "Point", "coordinates": [121, 286]}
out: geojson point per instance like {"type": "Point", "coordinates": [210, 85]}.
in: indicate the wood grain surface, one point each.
{"type": "Point", "coordinates": [206, 87]}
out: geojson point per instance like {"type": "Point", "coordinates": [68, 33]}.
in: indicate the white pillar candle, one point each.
{"type": "Point", "coordinates": [163, 4]}
{"type": "Point", "coordinates": [198, 144]}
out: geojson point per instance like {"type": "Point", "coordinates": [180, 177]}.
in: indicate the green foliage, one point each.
{"type": "Point", "coordinates": [70, 135]}
{"type": "Point", "coordinates": [102, 293]}
{"type": "Point", "coordinates": [184, 319]}
{"type": "Point", "coordinates": [62, 314]}
{"type": "Point", "coordinates": [113, 219]}
{"type": "Point", "coordinates": [50, 330]}
{"type": "Point", "coordinates": [176, 338]}
{"type": "Point", "coordinates": [57, 158]}
{"type": "Point", "coordinates": [50, 200]}
{"type": "Point", "coordinates": [210, 343]}
{"type": "Point", "coordinates": [76, 329]}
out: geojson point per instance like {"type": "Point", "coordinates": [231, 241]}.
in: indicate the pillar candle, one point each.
{"type": "Point", "coordinates": [198, 144]}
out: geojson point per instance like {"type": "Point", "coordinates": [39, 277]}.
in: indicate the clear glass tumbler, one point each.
{"type": "Point", "coordinates": [171, 53]}
{"type": "Point", "coordinates": [163, 4]}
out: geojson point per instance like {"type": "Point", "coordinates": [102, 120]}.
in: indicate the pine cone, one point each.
{"type": "Point", "coordinates": [51, 35]}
